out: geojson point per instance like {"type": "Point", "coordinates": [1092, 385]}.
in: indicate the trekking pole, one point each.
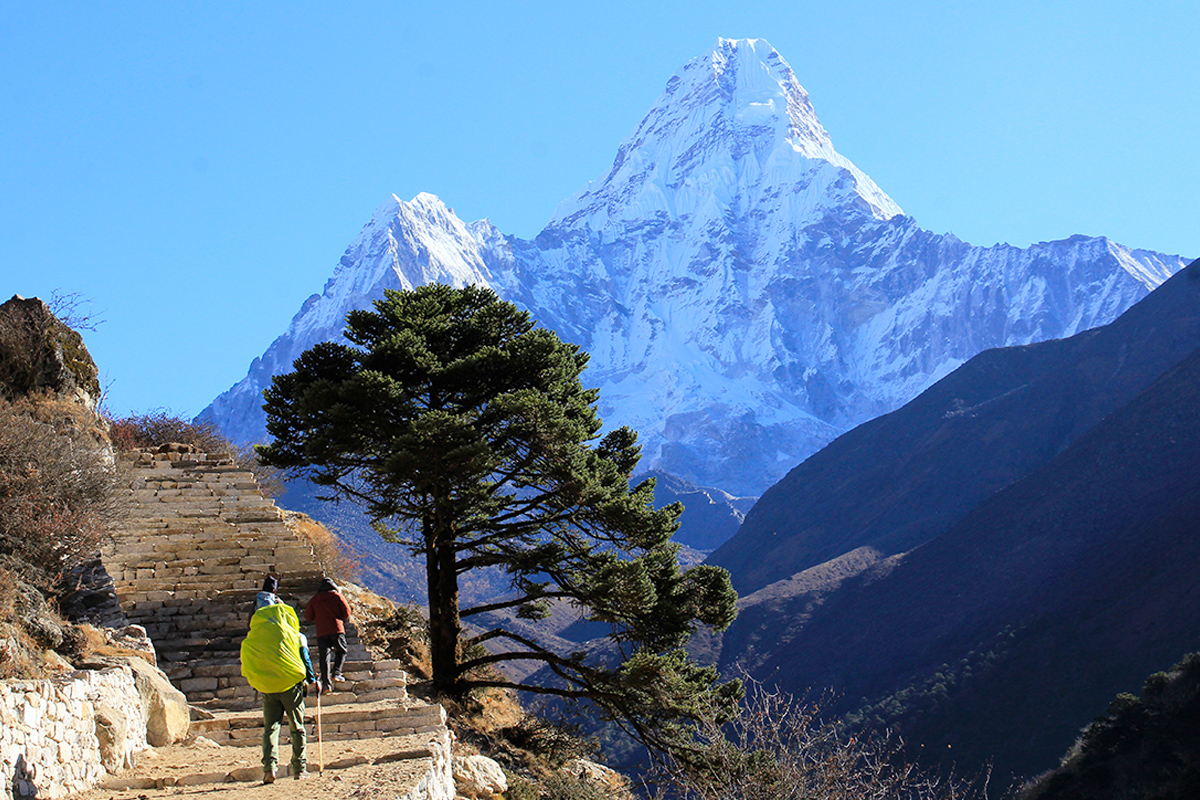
{"type": "Point", "coordinates": [320, 742]}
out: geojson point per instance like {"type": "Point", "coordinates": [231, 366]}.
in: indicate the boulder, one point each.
{"type": "Point", "coordinates": [165, 707]}
{"type": "Point", "coordinates": [112, 734]}
{"type": "Point", "coordinates": [478, 778]}
{"type": "Point", "coordinates": [598, 775]}
{"type": "Point", "coordinates": [35, 616]}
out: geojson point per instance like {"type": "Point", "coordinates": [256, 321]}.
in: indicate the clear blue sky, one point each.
{"type": "Point", "coordinates": [196, 169]}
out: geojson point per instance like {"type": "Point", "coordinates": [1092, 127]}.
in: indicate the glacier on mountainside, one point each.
{"type": "Point", "coordinates": [745, 292]}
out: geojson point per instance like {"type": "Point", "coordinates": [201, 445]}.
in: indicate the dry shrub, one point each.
{"type": "Point", "coordinates": [779, 748]}
{"type": "Point", "coordinates": [161, 426]}
{"type": "Point", "coordinates": [565, 786]}
{"type": "Point", "coordinates": [84, 640]}
{"type": "Point", "coordinates": [553, 741]}
{"type": "Point", "coordinates": [59, 490]}
{"type": "Point", "coordinates": [18, 658]}
{"type": "Point", "coordinates": [16, 646]}
{"type": "Point", "coordinates": [65, 416]}
{"type": "Point", "coordinates": [337, 559]}
{"type": "Point", "coordinates": [24, 629]}
{"type": "Point", "coordinates": [74, 310]}
{"type": "Point", "coordinates": [404, 636]}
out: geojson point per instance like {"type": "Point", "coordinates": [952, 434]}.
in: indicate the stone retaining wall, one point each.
{"type": "Point", "coordinates": [56, 736]}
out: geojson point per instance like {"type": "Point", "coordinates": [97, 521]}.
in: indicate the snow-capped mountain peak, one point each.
{"type": "Point", "coordinates": [745, 292]}
{"type": "Point", "coordinates": [730, 128]}
{"type": "Point", "coordinates": [761, 89]}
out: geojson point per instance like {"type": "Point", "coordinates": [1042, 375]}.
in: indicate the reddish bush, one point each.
{"type": "Point", "coordinates": [162, 426]}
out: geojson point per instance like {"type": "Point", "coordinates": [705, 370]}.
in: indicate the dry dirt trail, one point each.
{"type": "Point", "coordinates": [365, 769]}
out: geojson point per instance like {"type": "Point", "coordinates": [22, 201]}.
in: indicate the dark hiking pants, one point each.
{"type": "Point", "coordinates": [332, 653]}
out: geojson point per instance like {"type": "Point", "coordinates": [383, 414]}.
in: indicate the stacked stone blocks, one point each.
{"type": "Point", "coordinates": [49, 743]}
{"type": "Point", "coordinates": [187, 564]}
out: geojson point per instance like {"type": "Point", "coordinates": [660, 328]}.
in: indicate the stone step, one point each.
{"type": "Point", "coordinates": [338, 721]}
{"type": "Point", "coordinates": [147, 602]}
{"type": "Point", "coordinates": [201, 689]}
{"type": "Point", "coordinates": [208, 661]}
{"type": "Point", "coordinates": [244, 698]}
{"type": "Point", "coordinates": [227, 667]}
{"type": "Point", "coordinates": [230, 585]}
{"type": "Point", "coordinates": [227, 601]}
{"type": "Point", "coordinates": [366, 674]}
{"type": "Point", "coordinates": [354, 669]}
{"type": "Point", "coordinates": [159, 549]}
{"type": "Point", "coordinates": [188, 565]}
{"type": "Point", "coordinates": [224, 648]}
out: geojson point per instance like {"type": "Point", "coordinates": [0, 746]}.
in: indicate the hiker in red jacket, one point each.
{"type": "Point", "coordinates": [329, 610]}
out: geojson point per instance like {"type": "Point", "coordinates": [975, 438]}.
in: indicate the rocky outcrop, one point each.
{"type": "Point", "coordinates": [479, 778]}
{"type": "Point", "coordinates": [438, 781]}
{"type": "Point", "coordinates": [38, 353]}
{"type": "Point", "coordinates": [165, 714]}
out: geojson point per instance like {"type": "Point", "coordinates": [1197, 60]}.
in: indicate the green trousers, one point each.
{"type": "Point", "coordinates": [275, 707]}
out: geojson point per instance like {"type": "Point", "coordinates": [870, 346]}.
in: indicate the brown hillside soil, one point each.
{"type": "Point", "coordinates": [363, 770]}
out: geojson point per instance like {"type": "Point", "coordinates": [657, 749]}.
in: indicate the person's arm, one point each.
{"type": "Point", "coordinates": [309, 675]}
{"type": "Point", "coordinates": [345, 609]}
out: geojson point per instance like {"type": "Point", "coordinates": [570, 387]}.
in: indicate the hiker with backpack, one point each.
{"type": "Point", "coordinates": [329, 611]}
{"type": "Point", "coordinates": [275, 661]}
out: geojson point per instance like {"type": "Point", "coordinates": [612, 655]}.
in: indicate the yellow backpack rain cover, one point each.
{"type": "Point", "coordinates": [271, 651]}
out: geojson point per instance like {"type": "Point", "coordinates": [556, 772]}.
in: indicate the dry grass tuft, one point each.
{"type": "Point", "coordinates": [337, 559]}
{"type": "Point", "coordinates": [87, 640]}
{"type": "Point", "coordinates": [402, 635]}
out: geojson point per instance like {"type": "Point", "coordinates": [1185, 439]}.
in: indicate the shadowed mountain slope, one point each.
{"type": "Point", "coordinates": [904, 478]}
{"type": "Point", "coordinates": [1006, 634]}
{"type": "Point", "coordinates": [1009, 629]}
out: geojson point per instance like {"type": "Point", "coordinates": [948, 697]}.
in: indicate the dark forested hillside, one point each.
{"type": "Point", "coordinates": [1002, 637]}
{"type": "Point", "coordinates": [904, 478]}
{"type": "Point", "coordinates": [1142, 748]}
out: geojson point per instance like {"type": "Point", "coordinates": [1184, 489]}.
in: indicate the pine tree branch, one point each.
{"type": "Point", "coordinates": [520, 601]}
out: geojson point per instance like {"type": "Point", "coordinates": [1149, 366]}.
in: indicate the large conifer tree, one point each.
{"type": "Point", "coordinates": [465, 432]}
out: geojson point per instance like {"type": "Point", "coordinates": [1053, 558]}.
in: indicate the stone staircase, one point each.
{"type": "Point", "coordinates": [186, 565]}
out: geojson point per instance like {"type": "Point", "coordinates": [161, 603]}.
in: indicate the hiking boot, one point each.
{"type": "Point", "coordinates": [268, 777]}
{"type": "Point", "coordinates": [339, 678]}
{"type": "Point", "coordinates": [301, 775]}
